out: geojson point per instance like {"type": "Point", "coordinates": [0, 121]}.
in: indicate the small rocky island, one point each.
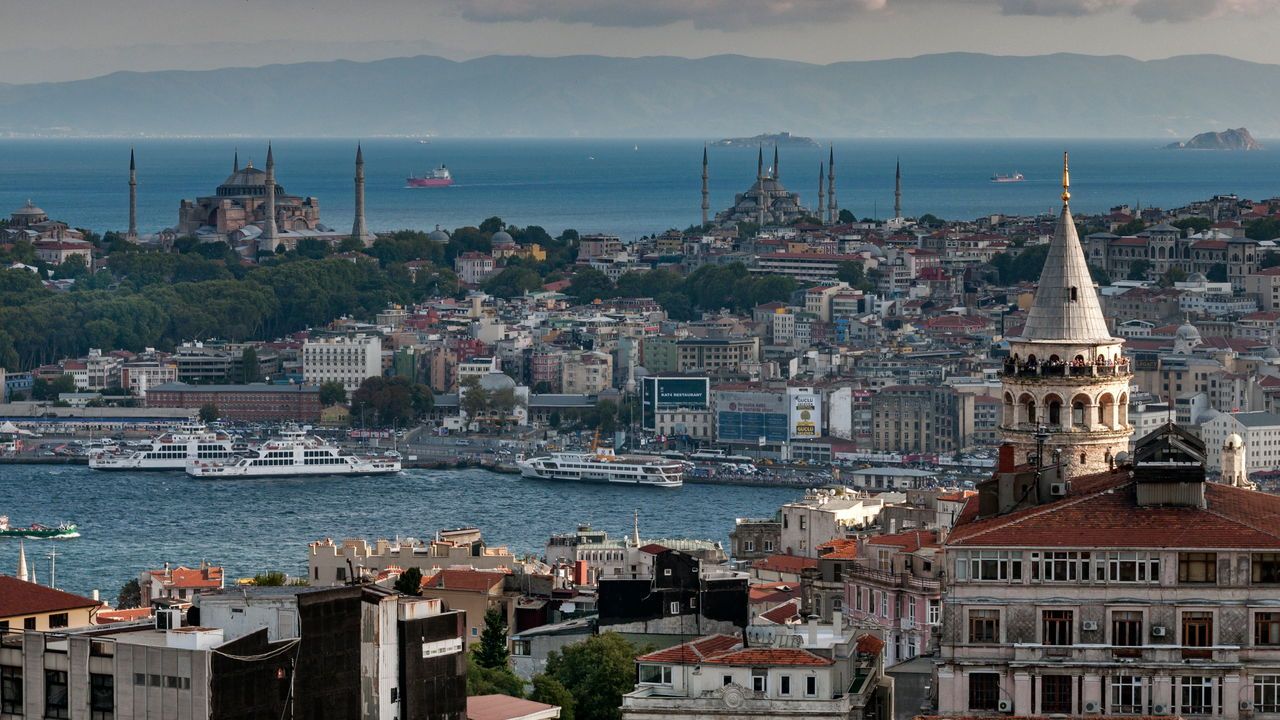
{"type": "Point", "coordinates": [1238, 139]}
{"type": "Point", "coordinates": [782, 139]}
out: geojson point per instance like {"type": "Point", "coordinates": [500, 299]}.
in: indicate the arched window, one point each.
{"type": "Point", "coordinates": [1077, 413]}
{"type": "Point", "coordinates": [1055, 410]}
{"type": "Point", "coordinates": [1082, 460]}
{"type": "Point", "coordinates": [1075, 294]}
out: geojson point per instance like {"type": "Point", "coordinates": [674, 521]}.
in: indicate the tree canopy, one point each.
{"type": "Point", "coordinates": [597, 672]}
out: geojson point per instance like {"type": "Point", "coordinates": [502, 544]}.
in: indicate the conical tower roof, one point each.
{"type": "Point", "coordinates": [1066, 307]}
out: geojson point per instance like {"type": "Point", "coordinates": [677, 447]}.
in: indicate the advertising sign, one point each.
{"type": "Point", "coordinates": [669, 393]}
{"type": "Point", "coordinates": [805, 413]}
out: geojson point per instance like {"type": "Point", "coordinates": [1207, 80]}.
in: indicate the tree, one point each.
{"type": "Point", "coordinates": [554, 420]}
{"type": "Point", "coordinates": [43, 389]}
{"type": "Point", "coordinates": [589, 284]}
{"type": "Point", "coordinates": [547, 689]}
{"type": "Point", "coordinates": [271, 578]}
{"type": "Point", "coordinates": [475, 399]}
{"type": "Point", "coordinates": [597, 672]}
{"type": "Point", "coordinates": [1100, 276]}
{"type": "Point", "coordinates": [73, 267]}
{"type": "Point", "coordinates": [931, 220]}
{"type": "Point", "coordinates": [409, 582]}
{"type": "Point", "coordinates": [491, 681]}
{"type": "Point", "coordinates": [1270, 259]}
{"type": "Point", "coordinates": [208, 413]}
{"type": "Point", "coordinates": [332, 393]}
{"type": "Point", "coordinates": [846, 217]}
{"type": "Point", "coordinates": [1217, 273]}
{"type": "Point", "coordinates": [1173, 275]}
{"type": "Point", "coordinates": [492, 225]}
{"type": "Point", "coordinates": [1262, 229]}
{"type": "Point", "coordinates": [1138, 269]}
{"type": "Point", "coordinates": [130, 595]}
{"type": "Point", "coordinates": [250, 370]}
{"type": "Point", "coordinates": [1194, 224]}
{"type": "Point", "coordinates": [392, 401]}
{"type": "Point", "coordinates": [1133, 227]}
{"type": "Point", "coordinates": [491, 651]}
{"type": "Point", "coordinates": [854, 273]}
{"type": "Point", "coordinates": [513, 281]}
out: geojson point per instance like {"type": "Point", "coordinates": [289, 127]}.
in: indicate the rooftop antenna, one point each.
{"type": "Point", "coordinates": [53, 569]}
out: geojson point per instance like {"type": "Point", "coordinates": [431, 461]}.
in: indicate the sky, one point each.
{"type": "Point", "coordinates": [72, 39]}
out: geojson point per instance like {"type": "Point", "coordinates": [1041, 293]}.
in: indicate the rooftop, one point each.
{"type": "Point", "coordinates": [19, 597]}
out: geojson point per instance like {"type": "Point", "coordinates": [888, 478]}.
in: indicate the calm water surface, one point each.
{"type": "Point", "coordinates": [130, 522]}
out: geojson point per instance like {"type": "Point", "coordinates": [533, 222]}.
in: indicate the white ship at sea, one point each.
{"type": "Point", "coordinates": [169, 451]}
{"type": "Point", "coordinates": [602, 465]}
{"type": "Point", "coordinates": [295, 454]}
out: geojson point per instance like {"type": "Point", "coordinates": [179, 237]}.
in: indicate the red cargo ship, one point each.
{"type": "Point", "coordinates": [439, 177]}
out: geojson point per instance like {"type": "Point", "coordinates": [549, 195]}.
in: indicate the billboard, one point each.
{"type": "Point", "coordinates": [804, 413]}
{"type": "Point", "coordinates": [668, 393]}
{"type": "Point", "coordinates": [746, 417]}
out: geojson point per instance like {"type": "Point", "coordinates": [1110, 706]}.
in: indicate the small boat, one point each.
{"type": "Point", "coordinates": [440, 177]}
{"type": "Point", "coordinates": [37, 531]}
{"type": "Point", "coordinates": [1016, 177]}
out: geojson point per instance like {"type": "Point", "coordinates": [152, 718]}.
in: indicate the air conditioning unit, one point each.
{"type": "Point", "coordinates": [1160, 709]}
{"type": "Point", "coordinates": [1158, 631]}
{"type": "Point", "coordinates": [1091, 707]}
{"type": "Point", "coordinates": [1058, 489]}
{"type": "Point", "coordinates": [1089, 625]}
{"type": "Point", "coordinates": [1246, 705]}
{"type": "Point", "coordinates": [1005, 706]}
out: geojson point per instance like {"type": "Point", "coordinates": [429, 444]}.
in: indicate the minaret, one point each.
{"type": "Point", "coordinates": [132, 235]}
{"type": "Point", "coordinates": [762, 200]}
{"type": "Point", "coordinates": [832, 212]}
{"type": "Point", "coordinates": [635, 527]}
{"type": "Point", "coordinates": [706, 198]}
{"type": "Point", "coordinates": [1066, 381]}
{"type": "Point", "coordinates": [897, 191]}
{"type": "Point", "coordinates": [820, 207]}
{"type": "Point", "coordinates": [359, 232]}
{"type": "Point", "coordinates": [235, 162]}
{"type": "Point", "coordinates": [267, 241]}
{"type": "Point", "coordinates": [776, 166]}
{"type": "Point", "coordinates": [22, 561]}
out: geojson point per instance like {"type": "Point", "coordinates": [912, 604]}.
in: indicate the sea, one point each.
{"type": "Point", "coordinates": [630, 188]}
{"type": "Point", "coordinates": [130, 522]}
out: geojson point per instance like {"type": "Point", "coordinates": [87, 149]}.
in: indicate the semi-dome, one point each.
{"type": "Point", "coordinates": [1197, 277]}
{"type": "Point", "coordinates": [28, 210]}
{"type": "Point", "coordinates": [1234, 441]}
{"type": "Point", "coordinates": [501, 238]}
{"type": "Point", "coordinates": [438, 235]}
{"type": "Point", "coordinates": [497, 381]}
{"type": "Point", "coordinates": [1271, 353]}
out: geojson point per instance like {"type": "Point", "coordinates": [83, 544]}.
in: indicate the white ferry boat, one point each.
{"type": "Point", "coordinates": [294, 454]}
{"type": "Point", "coordinates": [602, 465]}
{"type": "Point", "coordinates": [170, 451]}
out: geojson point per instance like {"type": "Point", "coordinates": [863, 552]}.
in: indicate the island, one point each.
{"type": "Point", "coordinates": [782, 139]}
{"type": "Point", "coordinates": [1238, 139]}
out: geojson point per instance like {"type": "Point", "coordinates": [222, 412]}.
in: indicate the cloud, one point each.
{"type": "Point", "coordinates": [741, 14]}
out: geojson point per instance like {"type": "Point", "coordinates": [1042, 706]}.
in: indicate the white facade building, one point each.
{"type": "Point", "coordinates": [1259, 431]}
{"type": "Point", "coordinates": [347, 360]}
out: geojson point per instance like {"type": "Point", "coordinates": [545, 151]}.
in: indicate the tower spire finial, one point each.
{"type": "Point", "coordinates": [760, 163]}
{"type": "Point", "coordinates": [1066, 179]}
{"type": "Point", "coordinates": [706, 200]}
{"type": "Point", "coordinates": [132, 234]}
{"type": "Point", "coordinates": [775, 162]}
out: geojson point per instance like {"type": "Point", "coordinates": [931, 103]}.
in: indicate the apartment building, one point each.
{"type": "Point", "coordinates": [895, 586]}
{"type": "Point", "coordinates": [346, 360]}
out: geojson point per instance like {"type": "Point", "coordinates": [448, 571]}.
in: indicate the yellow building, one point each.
{"type": "Point", "coordinates": [29, 606]}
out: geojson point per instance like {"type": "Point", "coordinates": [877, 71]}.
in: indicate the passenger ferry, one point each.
{"type": "Point", "coordinates": [170, 451]}
{"type": "Point", "coordinates": [602, 465]}
{"type": "Point", "coordinates": [295, 454]}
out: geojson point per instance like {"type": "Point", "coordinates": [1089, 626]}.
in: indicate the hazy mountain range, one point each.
{"type": "Point", "coordinates": [951, 95]}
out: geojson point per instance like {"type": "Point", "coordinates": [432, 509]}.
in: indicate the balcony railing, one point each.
{"type": "Point", "coordinates": [888, 578]}
{"type": "Point", "coordinates": [1157, 654]}
{"type": "Point", "coordinates": [1061, 369]}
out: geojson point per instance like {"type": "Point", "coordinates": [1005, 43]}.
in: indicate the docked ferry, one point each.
{"type": "Point", "coordinates": [171, 451]}
{"type": "Point", "coordinates": [602, 465]}
{"type": "Point", "coordinates": [294, 454]}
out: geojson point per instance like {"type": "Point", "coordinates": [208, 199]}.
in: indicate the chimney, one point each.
{"type": "Point", "coordinates": [1007, 460]}
{"type": "Point", "coordinates": [812, 625]}
{"type": "Point", "coordinates": [837, 621]}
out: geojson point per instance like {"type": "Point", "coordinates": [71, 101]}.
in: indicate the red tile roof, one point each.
{"type": "Point", "coordinates": [1101, 512]}
{"type": "Point", "coordinates": [106, 617]}
{"type": "Point", "coordinates": [19, 597]}
{"type": "Point", "coordinates": [782, 614]}
{"type": "Point", "coordinates": [185, 577]}
{"type": "Point", "coordinates": [770, 593]}
{"type": "Point", "coordinates": [467, 580]}
{"type": "Point", "coordinates": [909, 541]}
{"type": "Point", "coordinates": [869, 645]}
{"type": "Point", "coordinates": [728, 650]}
{"type": "Point", "coordinates": [502, 707]}
{"type": "Point", "coordinates": [839, 549]}
{"type": "Point", "coordinates": [653, 549]}
{"type": "Point", "coordinates": [785, 563]}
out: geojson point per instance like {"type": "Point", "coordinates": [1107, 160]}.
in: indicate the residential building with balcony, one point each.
{"type": "Point", "coordinates": [895, 587]}
{"type": "Point", "coordinates": [1139, 590]}
{"type": "Point", "coordinates": [332, 563]}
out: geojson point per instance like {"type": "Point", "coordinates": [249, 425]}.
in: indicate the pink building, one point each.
{"type": "Point", "coordinates": [894, 586]}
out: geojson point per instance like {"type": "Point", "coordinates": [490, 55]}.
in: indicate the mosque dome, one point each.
{"type": "Point", "coordinates": [872, 250]}
{"type": "Point", "coordinates": [1188, 332]}
{"type": "Point", "coordinates": [438, 235]}
{"type": "Point", "coordinates": [1197, 278]}
{"type": "Point", "coordinates": [28, 210]}
{"type": "Point", "coordinates": [502, 238]}
{"type": "Point", "coordinates": [497, 381]}
{"type": "Point", "coordinates": [1271, 353]}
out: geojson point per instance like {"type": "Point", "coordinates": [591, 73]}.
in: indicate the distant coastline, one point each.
{"type": "Point", "coordinates": [782, 139]}
{"type": "Point", "coordinates": [1237, 139]}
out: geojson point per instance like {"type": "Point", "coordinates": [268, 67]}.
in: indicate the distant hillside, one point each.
{"type": "Point", "coordinates": [1235, 139]}
{"type": "Point", "coordinates": [954, 95]}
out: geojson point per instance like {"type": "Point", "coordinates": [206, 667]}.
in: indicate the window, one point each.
{"type": "Point", "coordinates": [984, 691]}
{"type": "Point", "coordinates": [1196, 695]}
{"type": "Point", "coordinates": [726, 679]}
{"type": "Point", "coordinates": [521, 647]}
{"type": "Point", "coordinates": [29, 623]}
{"type": "Point", "coordinates": [1132, 567]}
{"type": "Point", "coordinates": [1127, 695]}
{"type": "Point", "coordinates": [760, 680]}
{"type": "Point", "coordinates": [675, 607]}
{"type": "Point", "coordinates": [655, 674]}
{"type": "Point", "coordinates": [10, 690]}
{"type": "Point", "coordinates": [784, 685]}
{"type": "Point", "coordinates": [1057, 627]}
{"type": "Point", "coordinates": [935, 612]}
{"type": "Point", "coordinates": [1266, 693]}
{"type": "Point", "coordinates": [1266, 628]}
{"type": "Point", "coordinates": [55, 694]}
{"type": "Point", "coordinates": [984, 626]}
{"type": "Point", "coordinates": [1266, 568]}
{"type": "Point", "coordinates": [1197, 629]}
{"type": "Point", "coordinates": [884, 604]}
{"type": "Point", "coordinates": [1055, 694]}
{"type": "Point", "coordinates": [1197, 567]}
{"type": "Point", "coordinates": [768, 546]}
{"type": "Point", "coordinates": [748, 546]}
{"type": "Point", "coordinates": [811, 686]}
{"type": "Point", "coordinates": [1126, 628]}
{"type": "Point", "coordinates": [1060, 566]}
{"type": "Point", "coordinates": [102, 697]}
{"type": "Point", "coordinates": [58, 620]}
{"type": "Point", "coordinates": [989, 565]}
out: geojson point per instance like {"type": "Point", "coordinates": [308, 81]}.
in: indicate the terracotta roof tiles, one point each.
{"type": "Point", "coordinates": [19, 597]}
{"type": "Point", "coordinates": [728, 650]}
